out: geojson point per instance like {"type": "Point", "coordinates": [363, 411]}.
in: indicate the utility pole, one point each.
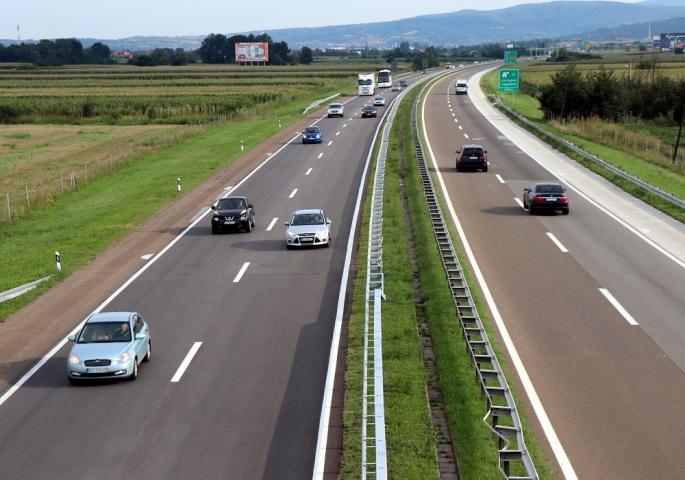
{"type": "Point", "coordinates": [678, 117]}
{"type": "Point", "coordinates": [18, 36]}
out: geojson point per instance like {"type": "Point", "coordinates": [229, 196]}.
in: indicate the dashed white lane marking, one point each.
{"type": "Point", "coordinates": [337, 133]}
{"type": "Point", "coordinates": [456, 121]}
{"type": "Point", "coordinates": [520, 203]}
{"type": "Point", "coordinates": [454, 114]}
{"type": "Point", "coordinates": [461, 128]}
{"type": "Point", "coordinates": [308, 171]}
{"type": "Point", "coordinates": [320, 155]}
{"type": "Point", "coordinates": [466, 135]}
{"type": "Point", "coordinates": [556, 241]}
{"type": "Point", "coordinates": [624, 313]}
{"type": "Point", "coordinates": [330, 142]}
{"type": "Point", "coordinates": [147, 256]}
{"type": "Point", "coordinates": [344, 125]}
{"type": "Point", "coordinates": [292, 194]}
{"type": "Point", "coordinates": [186, 361]}
{"type": "Point", "coordinates": [242, 271]}
{"type": "Point", "coordinates": [271, 224]}
{"type": "Point", "coordinates": [501, 180]}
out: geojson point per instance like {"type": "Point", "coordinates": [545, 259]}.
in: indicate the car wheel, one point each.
{"type": "Point", "coordinates": [564, 211]}
{"type": "Point", "coordinates": [74, 381]}
{"type": "Point", "coordinates": [458, 168]}
{"type": "Point", "coordinates": [148, 352]}
{"type": "Point", "coordinates": [288, 247]}
{"type": "Point", "coordinates": [134, 373]}
{"type": "Point", "coordinates": [248, 226]}
{"type": "Point", "coordinates": [253, 222]}
{"type": "Point", "coordinates": [531, 210]}
{"type": "Point", "coordinates": [215, 229]}
{"type": "Point", "coordinates": [485, 169]}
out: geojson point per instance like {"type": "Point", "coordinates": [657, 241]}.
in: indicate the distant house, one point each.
{"type": "Point", "coordinates": [122, 55]}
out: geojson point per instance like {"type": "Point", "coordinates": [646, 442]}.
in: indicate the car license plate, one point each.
{"type": "Point", "coordinates": [548, 199]}
{"type": "Point", "coordinates": [97, 370]}
{"type": "Point", "coordinates": [229, 222]}
{"type": "Point", "coordinates": [306, 240]}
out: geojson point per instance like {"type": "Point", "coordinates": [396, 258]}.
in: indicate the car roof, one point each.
{"type": "Point", "coordinates": [307, 211]}
{"type": "Point", "coordinates": [109, 317]}
{"type": "Point", "coordinates": [473, 146]}
{"type": "Point", "coordinates": [234, 196]}
{"type": "Point", "coordinates": [313, 126]}
{"type": "Point", "coordinates": [547, 183]}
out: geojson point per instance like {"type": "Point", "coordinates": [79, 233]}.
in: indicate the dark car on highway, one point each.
{"type": "Point", "coordinates": [545, 196]}
{"type": "Point", "coordinates": [233, 212]}
{"type": "Point", "coordinates": [369, 111]}
{"type": "Point", "coordinates": [312, 135]}
{"type": "Point", "coordinates": [472, 156]}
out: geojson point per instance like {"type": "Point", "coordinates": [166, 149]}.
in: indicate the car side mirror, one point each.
{"type": "Point", "coordinates": [328, 221]}
{"type": "Point", "coordinates": [72, 338]}
{"type": "Point", "coordinates": [249, 205]}
{"type": "Point", "coordinates": [140, 336]}
{"type": "Point", "coordinates": [213, 207]}
{"type": "Point", "coordinates": [287, 224]}
{"type": "Point", "coordinates": [526, 189]}
{"type": "Point", "coordinates": [485, 151]}
{"type": "Point", "coordinates": [458, 150]}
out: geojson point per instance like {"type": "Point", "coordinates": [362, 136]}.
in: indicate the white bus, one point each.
{"type": "Point", "coordinates": [366, 84]}
{"type": "Point", "coordinates": [384, 79]}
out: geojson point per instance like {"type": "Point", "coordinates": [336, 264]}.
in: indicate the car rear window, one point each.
{"type": "Point", "coordinates": [553, 188]}
{"type": "Point", "coordinates": [473, 152]}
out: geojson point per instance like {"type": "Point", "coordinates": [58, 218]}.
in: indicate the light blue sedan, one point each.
{"type": "Point", "coordinates": [110, 345]}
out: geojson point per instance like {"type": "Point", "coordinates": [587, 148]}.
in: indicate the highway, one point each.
{"type": "Point", "coordinates": [595, 311]}
{"type": "Point", "coordinates": [259, 318]}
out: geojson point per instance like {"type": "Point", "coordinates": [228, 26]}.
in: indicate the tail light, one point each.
{"type": "Point", "coordinates": [538, 198]}
{"type": "Point", "coordinates": [563, 199]}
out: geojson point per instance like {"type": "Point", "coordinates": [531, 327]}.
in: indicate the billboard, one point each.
{"type": "Point", "coordinates": [251, 52]}
{"type": "Point", "coordinates": [673, 42]}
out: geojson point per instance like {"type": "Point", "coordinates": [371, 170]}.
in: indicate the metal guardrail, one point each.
{"type": "Point", "coordinates": [585, 154]}
{"type": "Point", "coordinates": [316, 103]}
{"type": "Point", "coordinates": [502, 417]}
{"type": "Point", "coordinates": [22, 289]}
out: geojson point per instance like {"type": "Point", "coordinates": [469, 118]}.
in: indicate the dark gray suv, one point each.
{"type": "Point", "coordinates": [233, 212]}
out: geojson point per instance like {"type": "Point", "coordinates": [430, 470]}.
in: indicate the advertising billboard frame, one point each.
{"type": "Point", "coordinates": [252, 52]}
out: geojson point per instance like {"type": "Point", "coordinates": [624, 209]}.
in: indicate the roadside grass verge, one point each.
{"type": "Point", "coordinates": [666, 179]}
{"type": "Point", "coordinates": [475, 446]}
{"type": "Point", "coordinates": [83, 223]}
{"type": "Point", "coordinates": [410, 435]}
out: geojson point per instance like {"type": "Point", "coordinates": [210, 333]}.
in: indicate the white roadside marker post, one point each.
{"type": "Point", "coordinates": [242, 146]}
{"type": "Point", "coordinates": [178, 184]}
{"type": "Point", "coordinates": [58, 261]}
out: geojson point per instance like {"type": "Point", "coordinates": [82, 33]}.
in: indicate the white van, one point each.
{"type": "Point", "coordinates": [462, 86]}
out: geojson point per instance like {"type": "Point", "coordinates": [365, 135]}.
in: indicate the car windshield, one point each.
{"type": "Point", "coordinates": [378, 98]}
{"type": "Point", "coordinates": [311, 130]}
{"type": "Point", "coordinates": [549, 188]}
{"type": "Point", "coordinates": [367, 108]}
{"type": "Point", "coordinates": [308, 219]}
{"type": "Point", "coordinates": [105, 332]}
{"type": "Point", "coordinates": [335, 105]}
{"type": "Point", "coordinates": [473, 152]}
{"type": "Point", "coordinates": [230, 204]}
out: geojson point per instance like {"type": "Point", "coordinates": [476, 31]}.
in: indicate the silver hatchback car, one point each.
{"type": "Point", "coordinates": [308, 228]}
{"type": "Point", "coordinates": [110, 345]}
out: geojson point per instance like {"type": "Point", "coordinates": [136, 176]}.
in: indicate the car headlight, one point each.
{"type": "Point", "coordinates": [74, 360]}
{"type": "Point", "coordinates": [318, 136]}
{"type": "Point", "coordinates": [291, 234]}
{"type": "Point", "coordinates": [243, 218]}
{"type": "Point", "coordinates": [124, 358]}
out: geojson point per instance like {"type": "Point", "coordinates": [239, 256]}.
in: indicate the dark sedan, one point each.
{"type": "Point", "coordinates": [472, 156]}
{"type": "Point", "coordinates": [369, 111]}
{"type": "Point", "coordinates": [545, 196]}
{"type": "Point", "coordinates": [233, 212]}
{"type": "Point", "coordinates": [312, 135]}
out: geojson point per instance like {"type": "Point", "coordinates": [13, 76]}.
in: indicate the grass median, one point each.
{"type": "Point", "coordinates": [83, 223]}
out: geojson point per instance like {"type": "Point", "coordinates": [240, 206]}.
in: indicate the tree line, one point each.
{"type": "Point", "coordinates": [603, 94]}
{"type": "Point", "coordinates": [58, 52]}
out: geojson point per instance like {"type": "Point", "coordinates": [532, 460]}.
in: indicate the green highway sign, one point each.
{"type": "Point", "coordinates": [509, 80]}
{"type": "Point", "coordinates": [510, 56]}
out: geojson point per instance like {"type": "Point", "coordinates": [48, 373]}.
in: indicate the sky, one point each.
{"type": "Point", "coordinates": [124, 18]}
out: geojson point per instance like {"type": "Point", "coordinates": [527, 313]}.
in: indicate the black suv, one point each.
{"type": "Point", "coordinates": [472, 156]}
{"type": "Point", "coordinates": [233, 212]}
{"type": "Point", "coordinates": [369, 111]}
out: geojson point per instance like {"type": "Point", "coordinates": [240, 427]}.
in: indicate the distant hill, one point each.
{"type": "Point", "coordinates": [560, 19]}
{"type": "Point", "coordinates": [635, 31]}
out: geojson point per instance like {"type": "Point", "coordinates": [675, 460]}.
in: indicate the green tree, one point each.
{"type": "Point", "coordinates": [306, 56]}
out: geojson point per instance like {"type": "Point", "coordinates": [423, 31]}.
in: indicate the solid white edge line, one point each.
{"type": "Point", "coordinates": [51, 353]}
{"type": "Point", "coordinates": [241, 272]}
{"type": "Point", "coordinates": [559, 452]}
{"type": "Point", "coordinates": [326, 405]}
{"type": "Point", "coordinates": [308, 171]}
{"type": "Point", "coordinates": [186, 362]}
{"type": "Point", "coordinates": [292, 194]}
{"type": "Point", "coordinates": [590, 200]}
{"type": "Point", "coordinates": [271, 224]}
{"type": "Point", "coordinates": [556, 242]}
{"type": "Point", "coordinates": [612, 300]}
{"type": "Point", "coordinates": [519, 202]}
{"type": "Point", "coordinates": [500, 179]}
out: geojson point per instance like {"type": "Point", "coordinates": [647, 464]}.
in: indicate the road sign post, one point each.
{"type": "Point", "coordinates": [509, 80]}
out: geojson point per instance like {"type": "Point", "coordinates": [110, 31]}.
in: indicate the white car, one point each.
{"type": "Point", "coordinates": [396, 87]}
{"type": "Point", "coordinates": [378, 101]}
{"type": "Point", "coordinates": [462, 87]}
{"type": "Point", "coordinates": [336, 110]}
{"type": "Point", "coordinates": [308, 228]}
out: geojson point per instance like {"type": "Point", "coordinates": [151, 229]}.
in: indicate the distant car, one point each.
{"type": "Point", "coordinates": [308, 228]}
{"type": "Point", "coordinates": [545, 196]}
{"type": "Point", "coordinates": [369, 111]}
{"type": "Point", "coordinates": [472, 156]}
{"type": "Point", "coordinates": [312, 135]}
{"type": "Point", "coordinates": [110, 345]}
{"type": "Point", "coordinates": [233, 212]}
{"type": "Point", "coordinates": [336, 110]}
{"type": "Point", "coordinates": [396, 87]}
{"type": "Point", "coordinates": [403, 83]}
{"type": "Point", "coordinates": [378, 101]}
{"type": "Point", "coordinates": [462, 87]}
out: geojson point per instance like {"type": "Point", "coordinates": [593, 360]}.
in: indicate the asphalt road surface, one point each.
{"type": "Point", "coordinates": [611, 388]}
{"type": "Point", "coordinates": [249, 403]}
